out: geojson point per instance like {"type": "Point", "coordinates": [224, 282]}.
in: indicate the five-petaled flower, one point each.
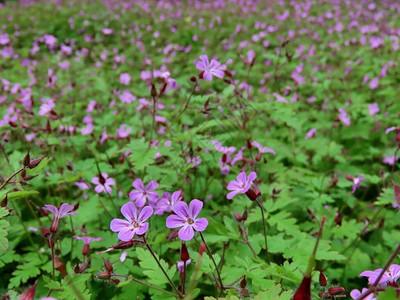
{"type": "Point", "coordinates": [209, 69]}
{"type": "Point", "coordinates": [241, 185]}
{"type": "Point", "coordinates": [103, 183]}
{"type": "Point", "coordinates": [186, 217]}
{"type": "Point", "coordinates": [167, 202]}
{"type": "Point", "coordinates": [134, 223]}
{"type": "Point", "coordinates": [390, 277]}
{"type": "Point", "coordinates": [356, 181]}
{"type": "Point", "coordinates": [142, 193]}
{"type": "Point", "coordinates": [65, 210]}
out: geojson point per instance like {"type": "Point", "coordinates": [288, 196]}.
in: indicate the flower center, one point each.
{"type": "Point", "coordinates": [190, 221]}
{"type": "Point", "coordinates": [135, 224]}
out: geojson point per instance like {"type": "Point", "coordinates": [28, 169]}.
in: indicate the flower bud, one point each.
{"type": "Point", "coordinates": [153, 90]}
{"type": "Point", "coordinates": [26, 160]}
{"type": "Point", "coordinates": [228, 73]}
{"type": "Point", "coordinates": [253, 193]}
{"type": "Point", "coordinates": [243, 282]}
{"type": "Point", "coordinates": [184, 253]}
{"type": "Point", "coordinates": [237, 216]}
{"type": "Point", "coordinates": [60, 266]}
{"type": "Point", "coordinates": [336, 290]}
{"type": "Point", "coordinates": [35, 162]}
{"type": "Point", "coordinates": [349, 177]}
{"type": "Point", "coordinates": [322, 279]}
{"type": "Point", "coordinates": [193, 78]}
{"type": "Point", "coordinates": [29, 294]}
{"type": "Point", "coordinates": [202, 249]}
{"type": "Point", "coordinates": [4, 202]}
{"type": "Point", "coordinates": [12, 124]}
{"type": "Point", "coordinates": [85, 249]}
{"type": "Point", "coordinates": [172, 235]}
{"type": "Point", "coordinates": [244, 215]}
{"type": "Point", "coordinates": [201, 75]}
{"type": "Point", "coordinates": [304, 290]}
{"type": "Point", "coordinates": [103, 275]}
{"type": "Point", "coordinates": [108, 265]}
{"type": "Point", "coordinates": [310, 213]}
{"type": "Point", "coordinates": [116, 281]}
{"type": "Point", "coordinates": [338, 219]}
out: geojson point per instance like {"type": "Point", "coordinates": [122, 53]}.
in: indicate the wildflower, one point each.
{"type": "Point", "coordinates": [390, 277]}
{"type": "Point", "coordinates": [374, 83]}
{"type": "Point", "coordinates": [355, 294]}
{"type": "Point", "coordinates": [356, 181]}
{"type": "Point", "coordinates": [142, 193]}
{"type": "Point", "coordinates": [123, 131]}
{"type": "Point", "coordinates": [195, 161]}
{"type": "Point", "coordinates": [127, 97]}
{"type": "Point", "coordinates": [242, 185]}
{"type": "Point", "coordinates": [134, 223]}
{"type": "Point", "coordinates": [343, 117]}
{"type": "Point", "coordinates": [124, 78]}
{"type": "Point", "coordinates": [65, 210]}
{"type": "Point", "coordinates": [209, 69]}
{"type": "Point", "coordinates": [46, 107]}
{"type": "Point", "coordinates": [168, 201]}
{"type": "Point", "coordinates": [186, 217]}
{"type": "Point", "coordinates": [311, 133]}
{"type": "Point", "coordinates": [262, 149]}
{"type": "Point", "coordinates": [180, 265]}
{"type": "Point", "coordinates": [103, 183]}
{"type": "Point", "coordinates": [373, 109]}
{"type": "Point", "coordinates": [86, 242]}
{"type": "Point", "coordinates": [82, 185]}
{"type": "Point", "coordinates": [390, 160]}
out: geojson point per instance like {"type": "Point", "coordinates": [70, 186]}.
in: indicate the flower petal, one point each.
{"type": "Point", "coordinates": [186, 233]}
{"type": "Point", "coordinates": [51, 208]}
{"type": "Point", "coordinates": [138, 184]}
{"type": "Point", "coordinates": [195, 207]}
{"type": "Point", "coordinates": [66, 209]}
{"type": "Point", "coordinates": [207, 76]}
{"type": "Point", "coordinates": [251, 177]}
{"type": "Point", "coordinates": [118, 225]}
{"type": "Point", "coordinates": [182, 210]}
{"type": "Point", "coordinates": [145, 213]}
{"type": "Point", "coordinates": [152, 185]}
{"type": "Point", "coordinates": [133, 195]}
{"type": "Point", "coordinates": [241, 178]}
{"type": "Point", "coordinates": [142, 229]}
{"type": "Point", "coordinates": [126, 235]}
{"type": "Point", "coordinates": [98, 189]}
{"type": "Point", "coordinates": [200, 224]}
{"type": "Point", "coordinates": [129, 211]}
{"type": "Point", "coordinates": [232, 194]}
{"type": "Point", "coordinates": [174, 221]}
{"type": "Point", "coordinates": [233, 186]}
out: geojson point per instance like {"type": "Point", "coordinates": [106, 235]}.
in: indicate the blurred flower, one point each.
{"type": "Point", "coordinates": [124, 78]}
{"type": "Point", "coordinates": [186, 217]}
{"type": "Point", "coordinates": [262, 149]}
{"type": "Point", "coordinates": [241, 185]}
{"type": "Point", "coordinates": [311, 133]}
{"type": "Point", "coordinates": [343, 117]}
{"type": "Point", "coordinates": [355, 294]}
{"type": "Point", "coordinates": [209, 69]}
{"type": "Point", "coordinates": [123, 131]}
{"type": "Point", "coordinates": [168, 201]}
{"type": "Point", "coordinates": [142, 193]}
{"type": "Point", "coordinates": [374, 83]}
{"type": "Point", "coordinates": [86, 242]}
{"type": "Point", "coordinates": [373, 109]}
{"type": "Point", "coordinates": [123, 256]}
{"type": "Point", "coordinates": [390, 160]}
{"type": "Point", "coordinates": [134, 223]}
{"type": "Point", "coordinates": [390, 277]}
{"type": "Point", "coordinates": [103, 183]}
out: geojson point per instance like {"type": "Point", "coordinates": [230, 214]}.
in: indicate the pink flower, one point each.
{"type": "Point", "coordinates": [82, 185]}
{"type": "Point", "coordinates": [46, 107]}
{"type": "Point", "coordinates": [134, 223]}
{"type": "Point", "coordinates": [103, 183]}
{"type": "Point", "coordinates": [241, 185]}
{"type": "Point", "coordinates": [356, 181]}
{"type": "Point", "coordinates": [390, 160]}
{"type": "Point", "coordinates": [374, 83]}
{"type": "Point", "coordinates": [186, 218]}
{"type": "Point", "coordinates": [107, 31]}
{"type": "Point", "coordinates": [279, 98]}
{"type": "Point", "coordinates": [142, 193]}
{"type": "Point", "coordinates": [181, 265]}
{"type": "Point", "coordinates": [209, 69]}
{"type": "Point", "coordinates": [124, 78]}
{"type": "Point", "coordinates": [65, 210]}
{"type": "Point", "coordinates": [355, 294]}
{"type": "Point", "coordinates": [373, 109]}
{"type": "Point", "coordinates": [195, 161]}
{"type": "Point", "coordinates": [343, 117]}
{"type": "Point", "coordinates": [86, 242]}
{"type": "Point", "coordinates": [262, 149]}
{"type": "Point", "coordinates": [311, 133]}
{"type": "Point", "coordinates": [168, 201]}
{"type": "Point", "coordinates": [123, 131]}
{"type": "Point", "coordinates": [390, 277]}
{"type": "Point", "coordinates": [127, 97]}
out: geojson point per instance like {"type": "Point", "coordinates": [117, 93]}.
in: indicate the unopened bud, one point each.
{"type": "Point", "coordinates": [202, 249]}
{"type": "Point", "coordinates": [184, 253]}
{"type": "Point", "coordinates": [35, 162]}
{"type": "Point", "coordinates": [310, 213]}
{"type": "Point", "coordinates": [85, 249]}
{"type": "Point", "coordinates": [193, 78]}
{"type": "Point", "coordinates": [172, 235]}
{"type": "Point", "coordinates": [26, 160]}
{"type": "Point", "coordinates": [349, 177]}
{"type": "Point", "coordinates": [29, 294]}
{"type": "Point", "coordinates": [103, 275]}
{"type": "Point", "coordinates": [228, 73]}
{"type": "Point", "coordinates": [258, 156]}
{"type": "Point", "coordinates": [237, 216]}
{"type": "Point", "coordinates": [243, 282]}
{"type": "Point", "coordinates": [108, 265]}
{"type": "Point", "coordinates": [153, 90]}
{"type": "Point", "coordinates": [201, 75]}
{"type": "Point", "coordinates": [249, 145]}
{"type": "Point", "coordinates": [12, 124]}
{"type": "Point", "coordinates": [322, 279]}
{"type": "Point", "coordinates": [253, 193]}
{"type": "Point", "coordinates": [60, 266]}
{"type": "Point", "coordinates": [4, 202]}
{"type": "Point", "coordinates": [244, 215]}
{"type": "Point", "coordinates": [338, 219]}
{"type": "Point", "coordinates": [336, 290]}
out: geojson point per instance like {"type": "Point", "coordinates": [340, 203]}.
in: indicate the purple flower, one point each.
{"type": "Point", "coordinates": [82, 185]}
{"type": "Point", "coordinates": [373, 109]}
{"type": "Point", "coordinates": [65, 210]}
{"type": "Point", "coordinates": [374, 83]}
{"type": "Point", "coordinates": [123, 131]}
{"type": "Point", "coordinates": [186, 217]}
{"type": "Point", "coordinates": [134, 223]}
{"type": "Point", "coordinates": [390, 160]}
{"type": "Point", "coordinates": [310, 134]}
{"type": "Point", "coordinates": [168, 201]}
{"type": "Point", "coordinates": [262, 149]}
{"type": "Point", "coordinates": [86, 242]}
{"type": "Point", "coordinates": [209, 69]}
{"type": "Point", "coordinates": [390, 277]}
{"type": "Point", "coordinates": [343, 117]}
{"type": "Point", "coordinates": [355, 294]}
{"type": "Point", "coordinates": [142, 193]}
{"type": "Point", "coordinates": [180, 265]}
{"type": "Point", "coordinates": [357, 182]}
{"type": "Point", "coordinates": [103, 183]}
{"type": "Point", "coordinates": [125, 78]}
{"type": "Point", "coordinates": [242, 185]}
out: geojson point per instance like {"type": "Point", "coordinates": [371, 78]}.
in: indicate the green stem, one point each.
{"type": "Point", "coordinates": [260, 205]}
{"type": "Point", "coordinates": [212, 258]}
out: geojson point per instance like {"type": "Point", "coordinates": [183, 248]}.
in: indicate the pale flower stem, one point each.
{"type": "Point", "coordinates": [260, 205]}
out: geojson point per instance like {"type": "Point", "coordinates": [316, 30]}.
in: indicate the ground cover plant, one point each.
{"type": "Point", "coordinates": [220, 149]}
